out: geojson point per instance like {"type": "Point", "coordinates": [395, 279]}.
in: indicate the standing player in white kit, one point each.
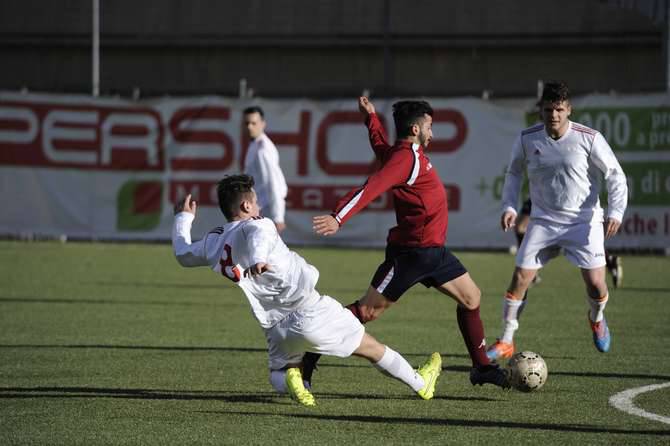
{"type": "Point", "coordinates": [565, 162]}
{"type": "Point", "coordinates": [280, 287]}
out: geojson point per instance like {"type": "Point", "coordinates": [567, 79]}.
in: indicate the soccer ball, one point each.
{"type": "Point", "coordinates": [527, 371]}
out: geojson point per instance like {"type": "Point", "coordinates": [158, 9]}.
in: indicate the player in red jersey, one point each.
{"type": "Point", "coordinates": [415, 250]}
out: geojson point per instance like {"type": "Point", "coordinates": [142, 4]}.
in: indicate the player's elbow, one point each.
{"type": "Point", "coordinates": [181, 259]}
{"type": "Point", "coordinates": [184, 258]}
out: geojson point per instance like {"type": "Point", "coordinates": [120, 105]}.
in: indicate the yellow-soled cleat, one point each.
{"type": "Point", "coordinates": [296, 388]}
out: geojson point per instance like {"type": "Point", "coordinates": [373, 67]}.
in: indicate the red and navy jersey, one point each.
{"type": "Point", "coordinates": [419, 198]}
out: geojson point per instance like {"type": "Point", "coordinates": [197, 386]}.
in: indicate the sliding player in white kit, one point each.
{"type": "Point", "coordinates": [565, 162]}
{"type": "Point", "coordinates": [280, 287]}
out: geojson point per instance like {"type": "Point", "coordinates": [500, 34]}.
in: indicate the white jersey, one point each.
{"type": "Point", "coordinates": [236, 246]}
{"type": "Point", "coordinates": [565, 175]}
{"type": "Point", "coordinates": [262, 163]}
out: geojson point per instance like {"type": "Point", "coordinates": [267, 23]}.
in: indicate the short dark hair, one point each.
{"type": "Point", "coordinates": [254, 109]}
{"type": "Point", "coordinates": [408, 113]}
{"type": "Point", "coordinates": [231, 190]}
{"type": "Point", "coordinates": [555, 91]}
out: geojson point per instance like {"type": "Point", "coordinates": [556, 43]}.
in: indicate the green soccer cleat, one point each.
{"type": "Point", "coordinates": [296, 388]}
{"type": "Point", "coordinates": [430, 372]}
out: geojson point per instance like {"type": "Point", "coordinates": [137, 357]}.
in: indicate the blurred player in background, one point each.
{"type": "Point", "coordinates": [564, 162]}
{"type": "Point", "coordinates": [415, 251]}
{"type": "Point", "coordinates": [280, 287]}
{"type": "Point", "coordinates": [262, 163]}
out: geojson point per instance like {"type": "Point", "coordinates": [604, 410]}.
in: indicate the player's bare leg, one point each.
{"type": "Point", "coordinates": [463, 290]}
{"type": "Point", "coordinates": [468, 296]}
{"type": "Point", "coordinates": [597, 295]}
{"type": "Point", "coordinates": [392, 364]}
{"type": "Point", "coordinates": [520, 229]}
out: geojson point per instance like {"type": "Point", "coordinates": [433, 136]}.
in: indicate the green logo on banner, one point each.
{"type": "Point", "coordinates": [139, 205]}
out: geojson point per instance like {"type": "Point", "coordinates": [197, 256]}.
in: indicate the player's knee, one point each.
{"type": "Point", "coordinates": [362, 312]}
{"type": "Point", "coordinates": [473, 299]}
{"type": "Point", "coordinates": [597, 288]}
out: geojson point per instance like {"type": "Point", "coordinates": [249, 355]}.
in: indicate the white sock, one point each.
{"type": "Point", "coordinates": [597, 308]}
{"type": "Point", "coordinates": [278, 381]}
{"type": "Point", "coordinates": [511, 310]}
{"type": "Point", "coordinates": [393, 364]}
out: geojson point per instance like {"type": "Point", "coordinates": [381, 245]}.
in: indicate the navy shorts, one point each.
{"type": "Point", "coordinates": [406, 266]}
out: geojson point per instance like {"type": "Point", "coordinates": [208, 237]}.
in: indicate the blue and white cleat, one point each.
{"type": "Point", "coordinates": [601, 335]}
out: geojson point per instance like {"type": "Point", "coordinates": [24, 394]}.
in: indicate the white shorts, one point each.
{"type": "Point", "coordinates": [326, 327]}
{"type": "Point", "coordinates": [582, 243]}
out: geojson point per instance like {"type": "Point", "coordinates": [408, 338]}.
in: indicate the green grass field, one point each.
{"type": "Point", "coordinates": [116, 344]}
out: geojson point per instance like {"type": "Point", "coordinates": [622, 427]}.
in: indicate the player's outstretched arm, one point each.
{"type": "Point", "coordinates": [376, 132]}
{"type": "Point", "coordinates": [325, 225]}
{"type": "Point", "coordinates": [188, 253]}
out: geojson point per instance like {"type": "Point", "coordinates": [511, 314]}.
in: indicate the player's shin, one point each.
{"type": "Point", "coordinates": [512, 309]}
{"type": "Point", "coordinates": [597, 307]}
{"type": "Point", "coordinates": [394, 365]}
{"type": "Point", "coordinates": [472, 330]}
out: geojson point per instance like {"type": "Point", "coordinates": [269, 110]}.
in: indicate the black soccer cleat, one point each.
{"type": "Point", "coordinates": [490, 374]}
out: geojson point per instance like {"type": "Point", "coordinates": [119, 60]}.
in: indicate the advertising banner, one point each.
{"type": "Point", "coordinates": [106, 168]}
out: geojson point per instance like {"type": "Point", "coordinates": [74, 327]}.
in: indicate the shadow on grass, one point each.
{"type": "Point", "coordinates": [583, 428]}
{"type": "Point", "coordinates": [189, 395]}
{"type": "Point", "coordinates": [357, 396]}
{"type": "Point", "coordinates": [466, 369]}
{"type": "Point", "coordinates": [139, 347]}
{"type": "Point", "coordinates": [148, 394]}
{"type": "Point", "coordinates": [612, 375]}
{"type": "Point", "coordinates": [360, 364]}
{"type": "Point", "coordinates": [43, 300]}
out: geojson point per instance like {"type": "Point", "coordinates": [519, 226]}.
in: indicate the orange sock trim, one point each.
{"type": "Point", "coordinates": [600, 299]}
{"type": "Point", "coordinates": [509, 295]}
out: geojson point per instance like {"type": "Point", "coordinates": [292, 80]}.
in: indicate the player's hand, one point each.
{"type": "Point", "coordinates": [185, 205]}
{"type": "Point", "coordinates": [257, 269]}
{"type": "Point", "coordinates": [280, 226]}
{"type": "Point", "coordinates": [507, 220]}
{"type": "Point", "coordinates": [365, 106]}
{"type": "Point", "coordinates": [325, 225]}
{"type": "Point", "coordinates": [611, 227]}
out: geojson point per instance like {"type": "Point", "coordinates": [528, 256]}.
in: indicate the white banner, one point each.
{"type": "Point", "coordinates": [111, 169]}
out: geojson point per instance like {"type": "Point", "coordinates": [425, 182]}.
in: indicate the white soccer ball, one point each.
{"type": "Point", "coordinates": [527, 371]}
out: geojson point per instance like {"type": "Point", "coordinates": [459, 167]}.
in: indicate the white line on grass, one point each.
{"type": "Point", "coordinates": [624, 402]}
